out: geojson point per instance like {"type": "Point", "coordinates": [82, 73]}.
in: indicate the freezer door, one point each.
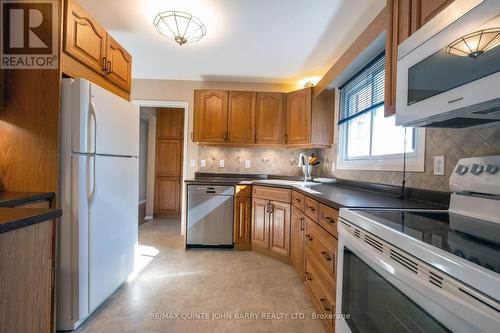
{"type": "Point", "coordinates": [113, 227]}
{"type": "Point", "coordinates": [115, 123]}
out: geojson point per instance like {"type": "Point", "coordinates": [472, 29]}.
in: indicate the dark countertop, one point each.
{"type": "Point", "coordinates": [16, 218]}
{"type": "Point", "coordinates": [340, 194]}
{"type": "Point", "coordinates": [11, 199]}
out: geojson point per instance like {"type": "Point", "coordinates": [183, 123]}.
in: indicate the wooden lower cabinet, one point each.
{"type": "Point", "coordinates": [297, 232]}
{"type": "Point", "coordinates": [260, 223]}
{"type": "Point", "coordinates": [26, 279]}
{"type": "Point", "coordinates": [279, 227]}
{"type": "Point", "coordinates": [167, 197]}
{"type": "Point", "coordinates": [242, 220]}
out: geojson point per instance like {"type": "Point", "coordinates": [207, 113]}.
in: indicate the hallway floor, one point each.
{"type": "Point", "coordinates": [204, 283]}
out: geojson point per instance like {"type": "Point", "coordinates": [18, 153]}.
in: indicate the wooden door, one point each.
{"type": "Point", "coordinates": [260, 223]}
{"type": "Point", "coordinates": [84, 38]}
{"type": "Point", "coordinates": [297, 226]}
{"type": "Point", "coordinates": [170, 123]}
{"type": "Point", "coordinates": [425, 10]}
{"type": "Point", "coordinates": [298, 117]}
{"type": "Point", "coordinates": [168, 157]}
{"type": "Point", "coordinates": [279, 227]}
{"type": "Point", "coordinates": [210, 116]}
{"type": "Point", "coordinates": [242, 220]}
{"type": "Point", "coordinates": [241, 117]}
{"type": "Point", "coordinates": [167, 196]}
{"type": "Point", "coordinates": [118, 64]}
{"type": "Point", "coordinates": [269, 118]}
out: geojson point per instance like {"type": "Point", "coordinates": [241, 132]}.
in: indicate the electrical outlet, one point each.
{"type": "Point", "coordinates": [192, 163]}
{"type": "Point", "coordinates": [247, 164]}
{"type": "Point", "coordinates": [203, 163]}
{"type": "Point", "coordinates": [221, 163]}
{"type": "Point", "coordinates": [333, 166]}
{"type": "Point", "coordinates": [439, 165]}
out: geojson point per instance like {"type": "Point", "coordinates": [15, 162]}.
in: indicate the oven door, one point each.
{"type": "Point", "coordinates": [375, 295]}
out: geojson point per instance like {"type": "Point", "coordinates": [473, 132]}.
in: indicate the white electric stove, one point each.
{"type": "Point", "coordinates": [425, 270]}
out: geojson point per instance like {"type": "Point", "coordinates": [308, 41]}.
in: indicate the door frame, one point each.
{"type": "Point", "coordinates": [185, 164]}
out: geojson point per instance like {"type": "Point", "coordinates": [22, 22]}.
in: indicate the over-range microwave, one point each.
{"type": "Point", "coordinates": [448, 71]}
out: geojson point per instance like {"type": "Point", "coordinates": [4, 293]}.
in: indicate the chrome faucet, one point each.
{"type": "Point", "coordinates": [303, 164]}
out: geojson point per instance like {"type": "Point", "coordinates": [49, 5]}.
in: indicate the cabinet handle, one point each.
{"type": "Point", "coordinates": [327, 257]}
{"type": "Point", "coordinates": [329, 219]}
{"type": "Point", "coordinates": [308, 276]}
{"type": "Point", "coordinates": [104, 64]}
{"type": "Point", "coordinates": [309, 238]}
{"type": "Point", "coordinates": [325, 304]}
{"type": "Point", "coordinates": [271, 208]}
{"type": "Point", "coordinates": [286, 138]}
{"type": "Point", "coordinates": [109, 67]}
{"type": "Point", "coordinates": [302, 223]}
{"type": "Point", "coordinates": [311, 208]}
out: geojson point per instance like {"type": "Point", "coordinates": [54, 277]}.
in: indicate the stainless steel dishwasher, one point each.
{"type": "Point", "coordinates": [210, 216]}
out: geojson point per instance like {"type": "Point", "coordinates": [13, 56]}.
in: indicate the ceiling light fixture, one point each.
{"type": "Point", "coordinates": [475, 44]}
{"type": "Point", "coordinates": [180, 27]}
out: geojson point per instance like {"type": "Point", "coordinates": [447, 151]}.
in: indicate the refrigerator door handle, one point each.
{"type": "Point", "coordinates": [91, 188]}
{"type": "Point", "coordinates": [93, 115]}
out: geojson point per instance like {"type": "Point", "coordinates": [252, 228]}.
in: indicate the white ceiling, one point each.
{"type": "Point", "coordinates": [247, 40]}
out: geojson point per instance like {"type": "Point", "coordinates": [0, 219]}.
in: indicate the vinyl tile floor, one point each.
{"type": "Point", "coordinates": [203, 291]}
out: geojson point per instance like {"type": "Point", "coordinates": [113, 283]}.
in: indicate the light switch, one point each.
{"type": "Point", "coordinates": [192, 163]}
{"type": "Point", "coordinates": [439, 165]}
{"type": "Point", "coordinates": [203, 163]}
{"type": "Point", "coordinates": [221, 163]}
{"type": "Point", "coordinates": [247, 164]}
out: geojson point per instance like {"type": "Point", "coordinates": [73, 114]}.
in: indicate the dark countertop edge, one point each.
{"type": "Point", "coordinates": [22, 198]}
{"type": "Point", "coordinates": [427, 198]}
{"type": "Point", "coordinates": [29, 219]}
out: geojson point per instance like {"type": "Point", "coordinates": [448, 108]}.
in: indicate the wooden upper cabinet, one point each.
{"type": "Point", "coordinates": [169, 157]}
{"type": "Point", "coordinates": [425, 10]}
{"type": "Point", "coordinates": [170, 123]}
{"type": "Point", "coordinates": [118, 64]}
{"type": "Point", "coordinates": [298, 117]}
{"type": "Point", "coordinates": [269, 118]}
{"type": "Point", "coordinates": [85, 39]}
{"type": "Point", "coordinates": [241, 117]}
{"type": "Point", "coordinates": [210, 119]}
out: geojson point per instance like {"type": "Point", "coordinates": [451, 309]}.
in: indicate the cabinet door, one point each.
{"type": "Point", "coordinates": [85, 39]}
{"type": "Point", "coordinates": [168, 157]}
{"type": "Point", "coordinates": [118, 64]}
{"type": "Point", "coordinates": [241, 117]}
{"type": "Point", "coordinates": [269, 118]}
{"type": "Point", "coordinates": [279, 226]}
{"type": "Point", "coordinates": [210, 108]}
{"type": "Point", "coordinates": [425, 10]}
{"type": "Point", "coordinates": [242, 216]}
{"type": "Point", "coordinates": [297, 227]}
{"type": "Point", "coordinates": [170, 123]}
{"type": "Point", "coordinates": [167, 198]}
{"type": "Point", "coordinates": [399, 28]}
{"type": "Point", "coordinates": [298, 117]}
{"type": "Point", "coordinates": [260, 223]}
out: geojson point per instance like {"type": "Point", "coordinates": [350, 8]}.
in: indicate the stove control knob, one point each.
{"type": "Point", "coordinates": [492, 169]}
{"type": "Point", "coordinates": [461, 169]}
{"type": "Point", "coordinates": [476, 169]}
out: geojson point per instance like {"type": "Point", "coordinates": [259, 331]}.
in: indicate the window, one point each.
{"type": "Point", "coordinates": [368, 140]}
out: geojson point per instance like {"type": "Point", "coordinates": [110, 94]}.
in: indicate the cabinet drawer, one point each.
{"type": "Point", "coordinates": [272, 193]}
{"type": "Point", "coordinates": [311, 208]}
{"type": "Point", "coordinates": [243, 191]}
{"type": "Point", "coordinates": [321, 292]}
{"type": "Point", "coordinates": [38, 204]}
{"type": "Point", "coordinates": [328, 219]}
{"type": "Point", "coordinates": [298, 200]}
{"type": "Point", "coordinates": [322, 246]}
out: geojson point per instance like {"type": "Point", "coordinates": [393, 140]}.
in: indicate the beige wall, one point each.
{"type": "Point", "coordinates": [174, 90]}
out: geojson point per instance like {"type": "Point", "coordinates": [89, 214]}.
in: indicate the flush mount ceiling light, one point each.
{"type": "Point", "coordinates": [180, 27]}
{"type": "Point", "coordinates": [475, 44]}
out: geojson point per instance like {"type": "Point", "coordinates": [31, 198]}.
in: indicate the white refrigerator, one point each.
{"type": "Point", "coordinates": [99, 198]}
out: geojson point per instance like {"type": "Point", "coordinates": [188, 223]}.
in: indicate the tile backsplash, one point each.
{"type": "Point", "coordinates": [454, 144]}
{"type": "Point", "coordinates": [274, 161]}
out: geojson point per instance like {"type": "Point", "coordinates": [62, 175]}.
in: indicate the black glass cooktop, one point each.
{"type": "Point", "coordinates": [475, 240]}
